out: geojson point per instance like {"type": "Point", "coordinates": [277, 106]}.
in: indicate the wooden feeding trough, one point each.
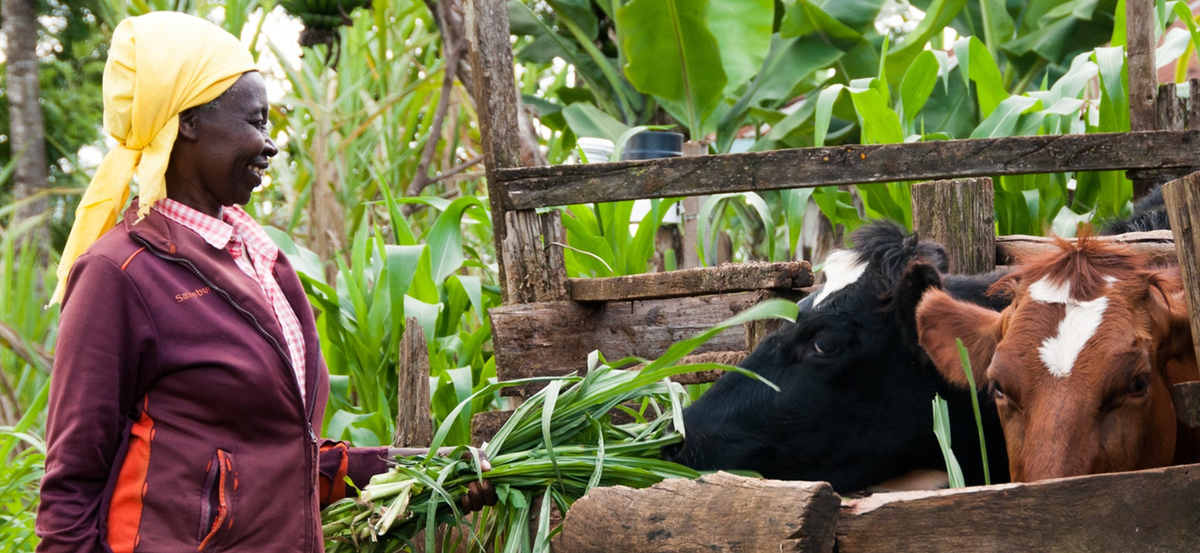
{"type": "Point", "coordinates": [549, 320]}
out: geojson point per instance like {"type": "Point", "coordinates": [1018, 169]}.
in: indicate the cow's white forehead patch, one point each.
{"type": "Point", "coordinates": [1080, 323]}
{"type": "Point", "coordinates": [1047, 292]}
{"type": "Point", "coordinates": [842, 268]}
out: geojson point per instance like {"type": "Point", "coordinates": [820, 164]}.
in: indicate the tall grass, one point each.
{"type": "Point", "coordinates": [27, 332]}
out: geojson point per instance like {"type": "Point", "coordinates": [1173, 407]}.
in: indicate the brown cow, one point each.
{"type": "Point", "coordinates": [1081, 363]}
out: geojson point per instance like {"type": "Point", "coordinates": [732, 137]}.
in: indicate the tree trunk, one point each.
{"type": "Point", "coordinates": [26, 132]}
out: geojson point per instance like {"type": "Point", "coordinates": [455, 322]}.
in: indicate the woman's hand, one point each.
{"type": "Point", "coordinates": [479, 494]}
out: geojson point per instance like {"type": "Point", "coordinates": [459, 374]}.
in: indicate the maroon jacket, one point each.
{"type": "Point", "coordinates": [175, 419]}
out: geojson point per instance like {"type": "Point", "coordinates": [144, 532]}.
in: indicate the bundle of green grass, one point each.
{"type": "Point", "coordinates": [558, 445]}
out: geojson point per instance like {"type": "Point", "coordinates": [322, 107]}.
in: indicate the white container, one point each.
{"type": "Point", "coordinates": [597, 150]}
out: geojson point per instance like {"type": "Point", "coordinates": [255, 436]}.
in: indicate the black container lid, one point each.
{"type": "Point", "coordinates": [653, 145]}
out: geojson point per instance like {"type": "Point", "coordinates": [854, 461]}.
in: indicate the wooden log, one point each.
{"type": "Point", "coordinates": [1182, 199]}
{"type": "Point", "coordinates": [532, 187]}
{"type": "Point", "coordinates": [960, 215]}
{"type": "Point", "coordinates": [1157, 247]}
{"type": "Point", "coordinates": [691, 210]}
{"type": "Point", "coordinates": [1146, 511]}
{"type": "Point", "coordinates": [1186, 397]}
{"type": "Point", "coordinates": [533, 257]}
{"type": "Point", "coordinates": [495, 94]}
{"type": "Point", "coordinates": [414, 428]}
{"type": "Point", "coordinates": [715, 513]}
{"type": "Point", "coordinates": [724, 279]}
{"type": "Point", "coordinates": [555, 338]}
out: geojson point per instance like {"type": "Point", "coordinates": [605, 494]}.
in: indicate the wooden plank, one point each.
{"type": "Point", "coordinates": [1182, 199]}
{"type": "Point", "coordinates": [533, 257]}
{"type": "Point", "coordinates": [1186, 396]}
{"type": "Point", "coordinates": [1143, 74]}
{"type": "Point", "coordinates": [715, 513]}
{"type": "Point", "coordinates": [495, 94]}
{"type": "Point", "coordinates": [960, 215]}
{"type": "Point", "coordinates": [555, 338]}
{"type": "Point", "coordinates": [724, 279]}
{"type": "Point", "coordinates": [414, 427]}
{"type": "Point", "coordinates": [532, 187]}
{"type": "Point", "coordinates": [1145, 511]}
{"type": "Point", "coordinates": [1156, 247]}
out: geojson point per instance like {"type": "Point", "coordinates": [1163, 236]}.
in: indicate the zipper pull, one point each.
{"type": "Point", "coordinates": [312, 435]}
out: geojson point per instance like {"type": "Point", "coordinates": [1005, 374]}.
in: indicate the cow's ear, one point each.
{"type": "Point", "coordinates": [1168, 314]}
{"type": "Point", "coordinates": [941, 319]}
{"type": "Point", "coordinates": [918, 277]}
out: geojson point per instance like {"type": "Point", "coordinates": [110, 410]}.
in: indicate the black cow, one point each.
{"type": "Point", "coordinates": [1149, 213]}
{"type": "Point", "coordinates": [855, 407]}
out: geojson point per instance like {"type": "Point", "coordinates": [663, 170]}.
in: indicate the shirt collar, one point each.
{"type": "Point", "coordinates": [216, 232]}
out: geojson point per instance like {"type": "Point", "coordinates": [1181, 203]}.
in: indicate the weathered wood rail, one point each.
{"type": "Point", "coordinates": [533, 187]}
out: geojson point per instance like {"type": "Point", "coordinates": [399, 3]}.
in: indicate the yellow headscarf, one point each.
{"type": "Point", "coordinates": [159, 64]}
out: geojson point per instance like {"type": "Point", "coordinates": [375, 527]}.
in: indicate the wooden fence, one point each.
{"type": "Point", "coordinates": [549, 323]}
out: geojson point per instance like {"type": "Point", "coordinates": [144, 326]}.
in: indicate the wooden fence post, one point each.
{"type": "Point", "coordinates": [1182, 198]}
{"type": "Point", "coordinates": [1143, 76]}
{"type": "Point", "coordinates": [960, 215]}
{"type": "Point", "coordinates": [414, 427]}
{"type": "Point", "coordinates": [519, 235]}
{"type": "Point", "coordinates": [691, 210]}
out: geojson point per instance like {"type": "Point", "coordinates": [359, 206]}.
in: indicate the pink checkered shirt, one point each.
{"type": "Point", "coordinates": [238, 233]}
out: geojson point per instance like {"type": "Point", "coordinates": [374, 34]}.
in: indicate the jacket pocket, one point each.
{"type": "Point", "coordinates": [216, 499]}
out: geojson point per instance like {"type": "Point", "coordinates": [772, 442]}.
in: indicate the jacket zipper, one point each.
{"type": "Point", "coordinates": [312, 397]}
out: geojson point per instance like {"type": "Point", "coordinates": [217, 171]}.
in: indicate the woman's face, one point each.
{"type": "Point", "coordinates": [234, 146]}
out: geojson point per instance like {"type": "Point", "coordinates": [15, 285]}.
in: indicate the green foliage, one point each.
{"type": "Point", "coordinates": [362, 318]}
{"type": "Point", "coordinates": [601, 244]}
{"type": "Point", "coordinates": [24, 385]}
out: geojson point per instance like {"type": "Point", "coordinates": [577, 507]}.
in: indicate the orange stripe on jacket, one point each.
{"type": "Point", "coordinates": [335, 490]}
{"type": "Point", "coordinates": [125, 511]}
{"type": "Point", "coordinates": [131, 256]}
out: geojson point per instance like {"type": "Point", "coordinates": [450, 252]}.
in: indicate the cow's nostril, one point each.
{"type": "Point", "coordinates": [673, 452]}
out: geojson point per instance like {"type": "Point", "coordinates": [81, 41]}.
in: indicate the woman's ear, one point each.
{"type": "Point", "coordinates": [188, 121]}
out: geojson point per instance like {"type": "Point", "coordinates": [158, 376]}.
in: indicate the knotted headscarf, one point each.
{"type": "Point", "coordinates": [159, 64]}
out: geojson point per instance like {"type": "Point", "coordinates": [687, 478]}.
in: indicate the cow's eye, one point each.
{"type": "Point", "coordinates": [1138, 385]}
{"type": "Point", "coordinates": [820, 349]}
{"type": "Point", "coordinates": [995, 390]}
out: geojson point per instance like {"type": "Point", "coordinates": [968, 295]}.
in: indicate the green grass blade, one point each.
{"type": "Point", "coordinates": [966, 364]}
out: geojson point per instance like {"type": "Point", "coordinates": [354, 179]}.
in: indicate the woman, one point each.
{"type": "Point", "coordinates": [188, 385]}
